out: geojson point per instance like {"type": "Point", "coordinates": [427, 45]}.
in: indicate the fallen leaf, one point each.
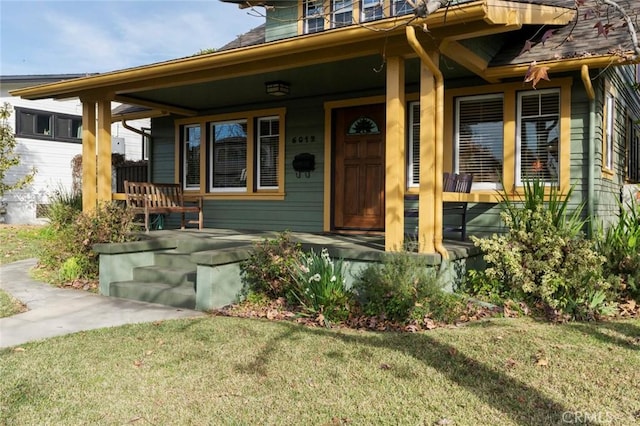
{"type": "Point", "coordinates": [385, 366]}
{"type": "Point", "coordinates": [18, 349]}
{"type": "Point", "coordinates": [148, 353]}
{"type": "Point", "coordinates": [444, 422]}
{"type": "Point", "coordinates": [510, 363]}
{"type": "Point", "coordinates": [542, 362]}
{"type": "Point", "coordinates": [453, 351]}
{"type": "Point", "coordinates": [536, 73]}
{"type": "Point", "coordinates": [138, 363]}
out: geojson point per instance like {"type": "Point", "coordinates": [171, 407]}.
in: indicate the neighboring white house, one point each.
{"type": "Point", "coordinates": [48, 133]}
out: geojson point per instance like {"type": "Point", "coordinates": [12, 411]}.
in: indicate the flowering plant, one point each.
{"type": "Point", "coordinates": [320, 286]}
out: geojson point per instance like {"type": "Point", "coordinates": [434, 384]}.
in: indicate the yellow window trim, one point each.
{"type": "Point", "coordinates": [249, 193]}
{"type": "Point", "coordinates": [608, 173]}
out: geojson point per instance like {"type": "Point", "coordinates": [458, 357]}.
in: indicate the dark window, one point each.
{"type": "Point", "coordinates": [48, 125]}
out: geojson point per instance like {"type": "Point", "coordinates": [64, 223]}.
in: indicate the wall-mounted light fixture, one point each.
{"type": "Point", "coordinates": [277, 88]}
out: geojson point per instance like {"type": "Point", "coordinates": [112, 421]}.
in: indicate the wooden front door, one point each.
{"type": "Point", "coordinates": [359, 168]}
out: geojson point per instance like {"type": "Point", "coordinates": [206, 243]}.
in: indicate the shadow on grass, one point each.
{"type": "Point", "coordinates": [628, 333]}
{"type": "Point", "coordinates": [524, 404]}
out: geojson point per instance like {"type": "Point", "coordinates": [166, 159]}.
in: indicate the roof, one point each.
{"type": "Point", "coordinates": [39, 78]}
{"type": "Point", "coordinates": [250, 38]}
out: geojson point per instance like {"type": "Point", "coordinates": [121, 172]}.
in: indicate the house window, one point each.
{"type": "Point", "coordinates": [146, 139]}
{"type": "Point", "coordinates": [371, 10]}
{"type": "Point", "coordinates": [479, 139]}
{"type": "Point", "coordinates": [313, 19]}
{"type": "Point", "coordinates": [341, 13]}
{"type": "Point", "coordinates": [413, 170]}
{"type": "Point", "coordinates": [400, 7]}
{"type": "Point", "coordinates": [632, 150]}
{"type": "Point", "coordinates": [191, 156]}
{"type": "Point", "coordinates": [228, 156]}
{"type": "Point", "coordinates": [537, 136]}
{"type": "Point", "coordinates": [609, 117]}
{"type": "Point", "coordinates": [268, 147]}
{"type": "Point", "coordinates": [48, 125]}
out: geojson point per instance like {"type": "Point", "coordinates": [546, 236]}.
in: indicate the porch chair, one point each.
{"type": "Point", "coordinates": [460, 183]}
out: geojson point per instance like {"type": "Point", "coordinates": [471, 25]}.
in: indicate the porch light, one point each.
{"type": "Point", "coordinates": [277, 88]}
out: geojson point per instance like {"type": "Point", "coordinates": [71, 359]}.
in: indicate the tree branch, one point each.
{"type": "Point", "coordinates": [632, 29]}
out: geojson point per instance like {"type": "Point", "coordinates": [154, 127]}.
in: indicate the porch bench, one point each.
{"type": "Point", "coordinates": [148, 198]}
{"type": "Point", "coordinates": [452, 182]}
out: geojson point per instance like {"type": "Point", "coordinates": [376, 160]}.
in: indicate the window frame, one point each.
{"type": "Point", "coordinates": [609, 114]}
{"type": "Point", "coordinates": [518, 141]}
{"type": "Point", "coordinates": [183, 144]}
{"type": "Point", "coordinates": [376, 5]}
{"type": "Point", "coordinates": [456, 138]}
{"type": "Point", "coordinates": [251, 189]}
{"type": "Point", "coordinates": [317, 16]}
{"type": "Point", "coordinates": [212, 161]}
{"type": "Point", "coordinates": [259, 139]}
{"type": "Point", "coordinates": [54, 125]}
{"type": "Point", "coordinates": [632, 150]}
{"type": "Point", "coordinates": [349, 9]}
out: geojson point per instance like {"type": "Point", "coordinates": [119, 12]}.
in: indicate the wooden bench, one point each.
{"type": "Point", "coordinates": [147, 198]}
{"type": "Point", "coordinates": [452, 182]}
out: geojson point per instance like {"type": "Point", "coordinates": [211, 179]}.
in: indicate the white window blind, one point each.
{"type": "Point", "coordinates": [479, 139]}
{"type": "Point", "coordinates": [191, 157]}
{"type": "Point", "coordinates": [268, 150]}
{"type": "Point", "coordinates": [313, 16]}
{"type": "Point", "coordinates": [371, 9]}
{"type": "Point", "coordinates": [229, 156]}
{"type": "Point", "coordinates": [538, 133]}
{"type": "Point", "coordinates": [413, 170]}
{"type": "Point", "coordinates": [342, 13]}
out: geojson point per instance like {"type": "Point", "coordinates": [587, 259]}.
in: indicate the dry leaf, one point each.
{"type": "Point", "coordinates": [510, 363]}
{"type": "Point", "coordinates": [535, 73]}
{"type": "Point", "coordinates": [385, 366]}
{"type": "Point", "coordinates": [18, 349]}
{"type": "Point", "coordinates": [138, 363]}
{"type": "Point", "coordinates": [542, 362]}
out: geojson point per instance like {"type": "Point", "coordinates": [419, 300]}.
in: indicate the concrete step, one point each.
{"type": "Point", "coordinates": [193, 245]}
{"type": "Point", "coordinates": [162, 293]}
{"type": "Point", "coordinates": [172, 276]}
{"type": "Point", "coordinates": [174, 259]}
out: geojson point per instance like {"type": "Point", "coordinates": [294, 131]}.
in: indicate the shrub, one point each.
{"type": "Point", "coordinates": [544, 259]}
{"type": "Point", "coordinates": [268, 270]}
{"type": "Point", "coordinates": [64, 208]}
{"type": "Point", "coordinates": [73, 242]}
{"type": "Point", "coordinates": [320, 286]}
{"type": "Point", "coordinates": [620, 245]}
{"type": "Point", "coordinates": [404, 287]}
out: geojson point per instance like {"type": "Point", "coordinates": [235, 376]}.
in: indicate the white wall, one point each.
{"type": "Point", "coordinates": [52, 159]}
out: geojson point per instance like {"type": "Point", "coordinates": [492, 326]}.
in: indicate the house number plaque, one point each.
{"type": "Point", "coordinates": [303, 139]}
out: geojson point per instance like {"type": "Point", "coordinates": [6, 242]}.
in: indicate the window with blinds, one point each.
{"type": "Point", "coordinates": [538, 133]}
{"type": "Point", "coordinates": [400, 7]}
{"type": "Point", "coordinates": [479, 139]}
{"type": "Point", "coordinates": [268, 145]}
{"type": "Point", "coordinates": [413, 169]}
{"type": "Point", "coordinates": [228, 156]}
{"type": "Point", "coordinates": [632, 150]}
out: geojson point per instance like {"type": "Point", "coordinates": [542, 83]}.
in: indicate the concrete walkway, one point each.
{"type": "Point", "coordinates": [56, 311]}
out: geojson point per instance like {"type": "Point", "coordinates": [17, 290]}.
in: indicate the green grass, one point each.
{"type": "Point", "coordinates": [19, 242]}
{"type": "Point", "coordinates": [9, 305]}
{"type": "Point", "coordinates": [220, 370]}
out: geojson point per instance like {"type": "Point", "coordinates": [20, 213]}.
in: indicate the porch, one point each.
{"type": "Point", "coordinates": [201, 269]}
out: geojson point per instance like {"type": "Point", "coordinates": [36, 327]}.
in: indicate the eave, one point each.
{"type": "Point", "coordinates": [458, 22]}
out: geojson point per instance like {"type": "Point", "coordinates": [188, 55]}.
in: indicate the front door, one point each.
{"type": "Point", "coordinates": [359, 168]}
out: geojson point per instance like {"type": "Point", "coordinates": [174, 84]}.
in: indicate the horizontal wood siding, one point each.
{"type": "Point", "coordinates": [282, 21]}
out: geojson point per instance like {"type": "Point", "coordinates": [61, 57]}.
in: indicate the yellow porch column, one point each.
{"type": "Point", "coordinates": [89, 188]}
{"type": "Point", "coordinates": [395, 156]}
{"type": "Point", "coordinates": [104, 151]}
{"type": "Point", "coordinates": [426, 210]}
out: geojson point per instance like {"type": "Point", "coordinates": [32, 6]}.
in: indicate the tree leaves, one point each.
{"type": "Point", "coordinates": [535, 73]}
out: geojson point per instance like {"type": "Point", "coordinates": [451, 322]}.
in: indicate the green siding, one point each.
{"type": "Point", "coordinates": [282, 21]}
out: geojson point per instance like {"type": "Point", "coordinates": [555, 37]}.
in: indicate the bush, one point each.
{"type": "Point", "coordinates": [544, 260]}
{"type": "Point", "coordinates": [269, 268]}
{"type": "Point", "coordinates": [404, 287]}
{"type": "Point", "coordinates": [320, 286]}
{"type": "Point", "coordinates": [68, 248]}
{"type": "Point", "coordinates": [64, 208]}
{"type": "Point", "coordinates": [620, 245]}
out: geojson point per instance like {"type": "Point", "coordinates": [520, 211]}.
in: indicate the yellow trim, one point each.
{"type": "Point", "coordinates": [395, 160]}
{"type": "Point", "coordinates": [89, 188]}
{"type": "Point", "coordinates": [467, 58]}
{"type": "Point", "coordinates": [556, 66]}
{"type": "Point", "coordinates": [329, 106]}
{"type": "Point", "coordinates": [507, 12]}
{"type": "Point", "coordinates": [426, 219]}
{"type": "Point", "coordinates": [248, 191]}
{"type": "Point", "coordinates": [104, 173]}
{"type": "Point", "coordinates": [608, 172]}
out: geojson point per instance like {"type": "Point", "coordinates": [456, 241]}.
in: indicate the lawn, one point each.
{"type": "Point", "coordinates": [19, 242]}
{"type": "Point", "coordinates": [222, 370]}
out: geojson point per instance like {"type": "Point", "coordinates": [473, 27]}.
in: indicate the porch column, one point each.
{"type": "Point", "coordinates": [89, 188]}
{"type": "Point", "coordinates": [104, 151]}
{"type": "Point", "coordinates": [426, 208]}
{"type": "Point", "coordinates": [395, 156]}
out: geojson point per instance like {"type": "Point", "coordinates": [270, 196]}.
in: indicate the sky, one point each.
{"type": "Point", "coordinates": [89, 36]}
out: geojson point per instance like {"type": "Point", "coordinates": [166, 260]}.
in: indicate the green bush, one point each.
{"type": "Point", "coordinates": [270, 266]}
{"type": "Point", "coordinates": [68, 248]}
{"type": "Point", "coordinates": [64, 208]}
{"type": "Point", "coordinates": [320, 286]}
{"type": "Point", "coordinates": [620, 245]}
{"type": "Point", "coordinates": [404, 287]}
{"type": "Point", "coordinates": [544, 260]}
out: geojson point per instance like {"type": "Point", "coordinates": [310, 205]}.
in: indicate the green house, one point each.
{"type": "Point", "coordinates": [329, 115]}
